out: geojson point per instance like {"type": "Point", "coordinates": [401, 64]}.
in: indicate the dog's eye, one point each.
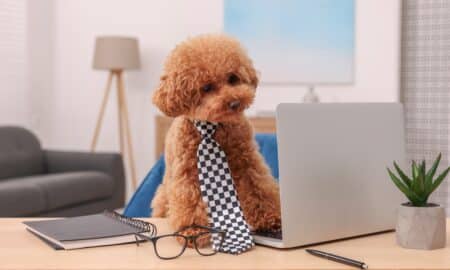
{"type": "Point", "coordinates": [207, 87]}
{"type": "Point", "coordinates": [233, 79]}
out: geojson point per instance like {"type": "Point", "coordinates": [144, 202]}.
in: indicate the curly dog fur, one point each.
{"type": "Point", "coordinates": [202, 77]}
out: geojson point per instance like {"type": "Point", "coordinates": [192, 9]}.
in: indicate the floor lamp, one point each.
{"type": "Point", "coordinates": [117, 54]}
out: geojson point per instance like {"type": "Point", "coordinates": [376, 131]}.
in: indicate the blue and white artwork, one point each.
{"type": "Point", "coordinates": [296, 41]}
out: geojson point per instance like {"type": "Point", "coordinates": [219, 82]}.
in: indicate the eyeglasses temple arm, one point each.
{"type": "Point", "coordinates": [201, 227]}
{"type": "Point", "coordinates": [210, 229]}
{"type": "Point", "coordinates": [137, 239]}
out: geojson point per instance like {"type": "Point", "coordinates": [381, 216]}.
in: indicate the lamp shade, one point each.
{"type": "Point", "coordinates": [116, 53]}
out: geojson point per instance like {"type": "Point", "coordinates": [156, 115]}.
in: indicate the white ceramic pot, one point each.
{"type": "Point", "coordinates": [421, 227]}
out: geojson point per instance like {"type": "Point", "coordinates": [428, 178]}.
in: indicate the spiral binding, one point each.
{"type": "Point", "coordinates": [145, 227]}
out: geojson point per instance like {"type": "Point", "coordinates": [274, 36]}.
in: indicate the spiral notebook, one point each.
{"type": "Point", "coordinates": [105, 229]}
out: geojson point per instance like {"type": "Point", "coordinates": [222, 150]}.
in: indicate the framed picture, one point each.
{"type": "Point", "coordinates": [296, 41]}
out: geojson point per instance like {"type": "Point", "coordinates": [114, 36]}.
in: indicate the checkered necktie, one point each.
{"type": "Point", "coordinates": [218, 192]}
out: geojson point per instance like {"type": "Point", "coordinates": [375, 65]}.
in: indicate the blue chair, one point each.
{"type": "Point", "coordinates": [139, 205]}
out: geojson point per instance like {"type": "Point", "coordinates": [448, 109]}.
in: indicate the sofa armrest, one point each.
{"type": "Point", "coordinates": [109, 163]}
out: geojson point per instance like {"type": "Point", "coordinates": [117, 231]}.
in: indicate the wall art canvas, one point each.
{"type": "Point", "coordinates": [296, 41]}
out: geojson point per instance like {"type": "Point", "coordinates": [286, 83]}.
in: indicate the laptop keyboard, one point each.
{"type": "Point", "coordinates": [270, 234]}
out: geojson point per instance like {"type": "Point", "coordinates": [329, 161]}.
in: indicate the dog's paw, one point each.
{"type": "Point", "coordinates": [273, 223]}
{"type": "Point", "coordinates": [267, 222]}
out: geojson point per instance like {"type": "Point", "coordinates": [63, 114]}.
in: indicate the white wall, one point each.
{"type": "Point", "coordinates": [78, 90]}
{"type": "Point", "coordinates": [40, 65]}
{"type": "Point", "coordinates": [73, 102]}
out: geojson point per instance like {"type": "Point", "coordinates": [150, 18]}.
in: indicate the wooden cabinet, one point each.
{"type": "Point", "coordinates": [260, 125]}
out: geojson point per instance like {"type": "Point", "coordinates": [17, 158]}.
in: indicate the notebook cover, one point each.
{"type": "Point", "coordinates": [82, 228]}
{"type": "Point", "coordinates": [51, 244]}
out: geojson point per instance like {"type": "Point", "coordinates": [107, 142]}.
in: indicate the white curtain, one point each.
{"type": "Point", "coordinates": [425, 82]}
{"type": "Point", "coordinates": [14, 101]}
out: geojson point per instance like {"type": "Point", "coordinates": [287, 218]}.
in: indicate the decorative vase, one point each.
{"type": "Point", "coordinates": [311, 96]}
{"type": "Point", "coordinates": [421, 227]}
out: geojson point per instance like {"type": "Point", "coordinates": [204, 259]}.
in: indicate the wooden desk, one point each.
{"type": "Point", "coordinates": [260, 125]}
{"type": "Point", "coordinates": [20, 249]}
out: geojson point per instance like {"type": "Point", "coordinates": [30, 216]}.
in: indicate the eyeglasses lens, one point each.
{"type": "Point", "coordinates": [208, 243]}
{"type": "Point", "coordinates": [169, 247]}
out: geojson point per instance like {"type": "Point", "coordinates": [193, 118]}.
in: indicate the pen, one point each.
{"type": "Point", "coordinates": [337, 258]}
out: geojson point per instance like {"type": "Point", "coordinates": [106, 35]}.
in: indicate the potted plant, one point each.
{"type": "Point", "coordinates": [420, 224]}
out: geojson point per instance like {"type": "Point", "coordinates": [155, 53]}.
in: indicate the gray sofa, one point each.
{"type": "Point", "coordinates": [37, 182]}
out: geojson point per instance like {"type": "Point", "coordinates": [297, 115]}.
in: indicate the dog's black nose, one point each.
{"type": "Point", "coordinates": [234, 105]}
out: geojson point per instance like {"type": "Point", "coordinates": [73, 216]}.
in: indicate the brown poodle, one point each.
{"type": "Point", "coordinates": [211, 78]}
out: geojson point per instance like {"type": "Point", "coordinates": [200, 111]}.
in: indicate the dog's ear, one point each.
{"type": "Point", "coordinates": [254, 77]}
{"type": "Point", "coordinates": [249, 75]}
{"type": "Point", "coordinates": [175, 95]}
{"type": "Point", "coordinates": [166, 99]}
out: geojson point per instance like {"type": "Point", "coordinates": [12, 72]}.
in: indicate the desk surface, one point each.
{"type": "Point", "coordinates": [19, 249]}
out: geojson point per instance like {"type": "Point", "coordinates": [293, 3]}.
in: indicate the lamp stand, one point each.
{"type": "Point", "coordinates": [124, 125]}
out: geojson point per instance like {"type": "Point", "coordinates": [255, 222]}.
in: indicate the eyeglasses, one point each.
{"type": "Point", "coordinates": [207, 242]}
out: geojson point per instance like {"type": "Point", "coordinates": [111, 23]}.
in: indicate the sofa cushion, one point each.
{"type": "Point", "coordinates": [20, 153]}
{"type": "Point", "coordinates": [67, 189]}
{"type": "Point", "coordinates": [20, 198]}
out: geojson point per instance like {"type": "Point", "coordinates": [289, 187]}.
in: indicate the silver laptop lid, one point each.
{"type": "Point", "coordinates": [332, 162]}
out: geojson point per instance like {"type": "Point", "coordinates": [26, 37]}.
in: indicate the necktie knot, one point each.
{"type": "Point", "coordinates": [205, 128]}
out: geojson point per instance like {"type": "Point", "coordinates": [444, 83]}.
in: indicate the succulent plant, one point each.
{"type": "Point", "coordinates": [421, 184]}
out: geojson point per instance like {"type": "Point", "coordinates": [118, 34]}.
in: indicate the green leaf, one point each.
{"type": "Point", "coordinates": [421, 178]}
{"type": "Point", "coordinates": [403, 176]}
{"type": "Point", "coordinates": [412, 197]}
{"type": "Point", "coordinates": [418, 180]}
{"type": "Point", "coordinates": [439, 180]}
{"type": "Point", "coordinates": [415, 170]}
{"type": "Point", "coordinates": [430, 174]}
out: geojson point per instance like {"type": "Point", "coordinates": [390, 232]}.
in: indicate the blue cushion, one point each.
{"type": "Point", "coordinates": [139, 205]}
{"type": "Point", "coordinates": [268, 148]}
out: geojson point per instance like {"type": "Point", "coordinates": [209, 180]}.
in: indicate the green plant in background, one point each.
{"type": "Point", "coordinates": [421, 184]}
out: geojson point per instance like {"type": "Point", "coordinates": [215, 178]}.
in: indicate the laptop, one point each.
{"type": "Point", "coordinates": [332, 171]}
